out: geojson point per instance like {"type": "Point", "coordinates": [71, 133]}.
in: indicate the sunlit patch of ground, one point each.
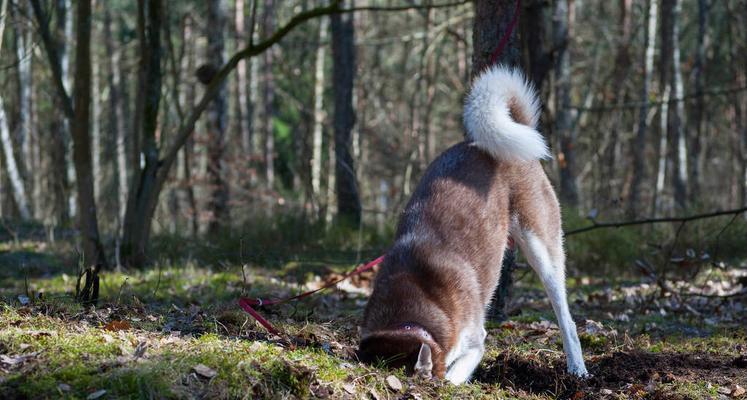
{"type": "Point", "coordinates": [175, 331]}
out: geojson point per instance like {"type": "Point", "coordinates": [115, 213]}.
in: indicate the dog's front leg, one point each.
{"type": "Point", "coordinates": [466, 355]}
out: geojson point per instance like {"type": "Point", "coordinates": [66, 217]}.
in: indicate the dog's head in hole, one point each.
{"type": "Point", "coordinates": [427, 309]}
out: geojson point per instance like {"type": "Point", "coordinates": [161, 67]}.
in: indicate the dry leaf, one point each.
{"type": "Point", "coordinates": [204, 371]}
{"type": "Point", "coordinates": [737, 391]}
{"type": "Point", "coordinates": [117, 325]}
{"type": "Point", "coordinates": [394, 383]}
{"type": "Point", "coordinates": [374, 394]}
{"type": "Point", "coordinates": [349, 387]}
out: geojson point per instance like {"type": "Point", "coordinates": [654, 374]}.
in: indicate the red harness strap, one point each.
{"type": "Point", "coordinates": [249, 304]}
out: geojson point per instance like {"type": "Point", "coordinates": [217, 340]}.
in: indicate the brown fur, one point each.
{"type": "Point", "coordinates": [445, 264]}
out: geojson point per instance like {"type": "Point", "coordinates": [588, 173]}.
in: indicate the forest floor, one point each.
{"type": "Point", "coordinates": [175, 331]}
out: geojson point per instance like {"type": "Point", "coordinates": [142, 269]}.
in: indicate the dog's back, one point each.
{"type": "Point", "coordinates": [430, 296]}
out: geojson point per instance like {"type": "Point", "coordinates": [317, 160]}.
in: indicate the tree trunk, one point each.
{"type": "Point", "coordinates": [11, 165]}
{"type": "Point", "coordinates": [639, 145]}
{"type": "Point", "coordinates": [343, 75]}
{"type": "Point", "coordinates": [562, 33]}
{"type": "Point", "coordinates": [665, 88]}
{"type": "Point", "coordinates": [699, 105]}
{"type": "Point", "coordinates": [145, 186]}
{"type": "Point", "coordinates": [679, 139]}
{"type": "Point", "coordinates": [188, 95]}
{"type": "Point", "coordinates": [116, 117]}
{"type": "Point", "coordinates": [319, 115]}
{"type": "Point", "coordinates": [492, 19]}
{"type": "Point", "coordinates": [24, 129]}
{"type": "Point", "coordinates": [610, 194]}
{"type": "Point", "coordinates": [269, 98]}
{"type": "Point", "coordinates": [18, 189]}
{"type": "Point", "coordinates": [216, 122]}
{"type": "Point", "coordinates": [93, 257]}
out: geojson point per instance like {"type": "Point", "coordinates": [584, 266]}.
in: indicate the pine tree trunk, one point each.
{"type": "Point", "coordinates": [269, 99]}
{"type": "Point", "coordinates": [319, 115]}
{"type": "Point", "coordinates": [562, 32]}
{"type": "Point", "coordinates": [343, 75]}
{"type": "Point", "coordinates": [699, 106]}
{"type": "Point", "coordinates": [639, 145]}
{"type": "Point", "coordinates": [142, 202]}
{"type": "Point", "coordinates": [116, 117]}
{"type": "Point", "coordinates": [679, 139]}
{"type": "Point", "coordinates": [216, 122]}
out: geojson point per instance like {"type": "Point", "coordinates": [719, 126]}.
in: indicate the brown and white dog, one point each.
{"type": "Point", "coordinates": [427, 309]}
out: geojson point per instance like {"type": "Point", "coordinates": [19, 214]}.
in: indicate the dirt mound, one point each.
{"type": "Point", "coordinates": [619, 371]}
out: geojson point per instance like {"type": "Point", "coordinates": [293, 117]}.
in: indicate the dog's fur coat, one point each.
{"type": "Point", "coordinates": [427, 310]}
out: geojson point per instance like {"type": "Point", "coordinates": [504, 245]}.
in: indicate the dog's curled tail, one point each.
{"type": "Point", "coordinates": [501, 113]}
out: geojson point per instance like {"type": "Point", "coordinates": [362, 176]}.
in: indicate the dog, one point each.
{"type": "Point", "coordinates": [430, 297]}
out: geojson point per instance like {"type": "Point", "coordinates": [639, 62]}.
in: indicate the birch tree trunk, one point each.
{"type": "Point", "coordinates": [24, 130]}
{"type": "Point", "coordinates": [216, 121]}
{"type": "Point", "coordinates": [638, 148]}
{"type": "Point", "coordinates": [343, 75]}
{"type": "Point", "coordinates": [11, 165]}
{"type": "Point", "coordinates": [562, 33]}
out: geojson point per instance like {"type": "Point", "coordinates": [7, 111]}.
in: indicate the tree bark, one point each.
{"type": "Point", "coordinates": [18, 189]}
{"type": "Point", "coordinates": [562, 33]}
{"type": "Point", "coordinates": [116, 116]}
{"type": "Point", "coordinates": [679, 139]}
{"type": "Point", "coordinates": [319, 116]}
{"type": "Point", "coordinates": [638, 148]}
{"type": "Point", "coordinates": [216, 121]}
{"type": "Point", "coordinates": [145, 186]}
{"type": "Point", "coordinates": [269, 98]}
{"type": "Point", "coordinates": [343, 75]}
{"type": "Point", "coordinates": [699, 106]}
{"type": "Point", "coordinates": [492, 19]}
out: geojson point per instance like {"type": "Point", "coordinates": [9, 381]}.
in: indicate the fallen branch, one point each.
{"type": "Point", "coordinates": [685, 219]}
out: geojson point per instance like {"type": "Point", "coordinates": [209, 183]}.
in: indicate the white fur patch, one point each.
{"type": "Point", "coordinates": [466, 354]}
{"type": "Point", "coordinates": [553, 279]}
{"type": "Point", "coordinates": [488, 121]}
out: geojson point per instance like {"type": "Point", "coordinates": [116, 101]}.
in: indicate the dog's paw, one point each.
{"type": "Point", "coordinates": [579, 371]}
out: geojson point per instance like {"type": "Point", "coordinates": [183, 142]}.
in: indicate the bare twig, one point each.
{"type": "Point", "coordinates": [685, 219]}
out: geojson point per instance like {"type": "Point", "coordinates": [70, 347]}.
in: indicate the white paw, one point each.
{"type": "Point", "coordinates": [579, 371]}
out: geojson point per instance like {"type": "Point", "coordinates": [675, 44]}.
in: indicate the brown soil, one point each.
{"type": "Point", "coordinates": [629, 372]}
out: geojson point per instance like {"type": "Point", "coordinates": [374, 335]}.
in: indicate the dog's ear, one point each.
{"type": "Point", "coordinates": [424, 365]}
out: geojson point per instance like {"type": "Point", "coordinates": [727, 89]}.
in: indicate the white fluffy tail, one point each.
{"type": "Point", "coordinates": [501, 114]}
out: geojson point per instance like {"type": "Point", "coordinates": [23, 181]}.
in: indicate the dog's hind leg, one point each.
{"type": "Point", "coordinates": [547, 259]}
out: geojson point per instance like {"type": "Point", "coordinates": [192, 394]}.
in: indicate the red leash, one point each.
{"type": "Point", "coordinates": [504, 40]}
{"type": "Point", "coordinates": [249, 304]}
